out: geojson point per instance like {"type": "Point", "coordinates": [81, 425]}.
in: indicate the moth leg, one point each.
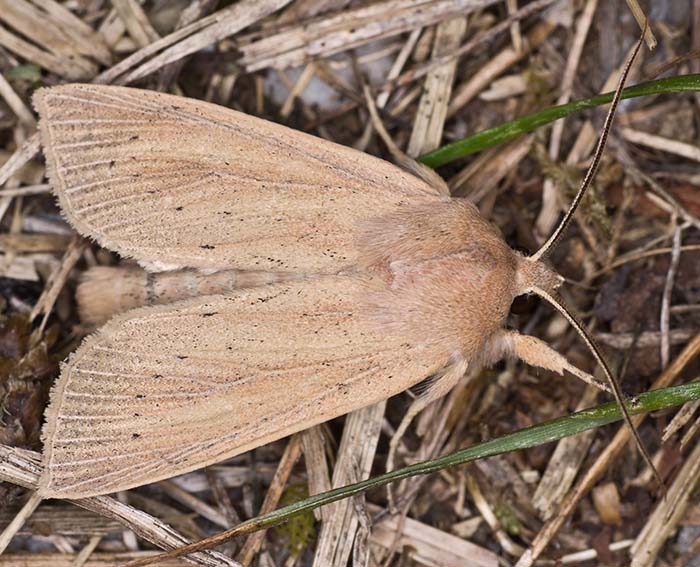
{"type": "Point", "coordinates": [436, 389]}
{"type": "Point", "coordinates": [535, 352]}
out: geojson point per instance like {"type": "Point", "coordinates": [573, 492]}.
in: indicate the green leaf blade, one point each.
{"type": "Point", "coordinates": [509, 130]}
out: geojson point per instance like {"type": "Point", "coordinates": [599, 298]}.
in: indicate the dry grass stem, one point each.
{"type": "Point", "coordinates": [354, 462]}
{"type": "Point", "coordinates": [564, 465]}
{"type": "Point", "coordinates": [19, 158]}
{"type": "Point", "coordinates": [136, 22]}
{"type": "Point", "coordinates": [689, 151]}
{"type": "Point", "coordinates": [664, 520]}
{"type": "Point", "coordinates": [423, 69]}
{"type": "Point", "coordinates": [189, 39]}
{"type": "Point", "coordinates": [99, 559]}
{"type": "Point", "coordinates": [684, 415]}
{"type": "Point", "coordinates": [429, 121]}
{"type": "Point", "coordinates": [475, 183]}
{"type": "Point", "coordinates": [291, 455]}
{"type": "Point", "coordinates": [665, 323]}
{"type": "Point", "coordinates": [641, 18]}
{"type": "Point", "coordinates": [16, 104]}
{"type": "Point", "coordinates": [22, 468]}
{"type": "Point", "coordinates": [314, 448]}
{"type": "Point", "coordinates": [550, 193]}
{"type": "Point", "coordinates": [64, 47]}
{"type": "Point", "coordinates": [349, 30]}
{"type": "Point", "coordinates": [55, 284]}
{"type": "Point", "coordinates": [429, 546]}
{"type": "Point", "coordinates": [489, 516]}
{"type": "Point", "coordinates": [18, 521]}
{"type": "Point", "coordinates": [624, 341]}
{"type": "Point", "coordinates": [195, 504]}
{"type": "Point", "coordinates": [515, 34]}
{"type": "Point", "coordinates": [497, 65]}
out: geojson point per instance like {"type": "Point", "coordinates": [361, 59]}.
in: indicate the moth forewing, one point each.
{"type": "Point", "coordinates": [176, 182]}
{"type": "Point", "coordinates": [168, 389]}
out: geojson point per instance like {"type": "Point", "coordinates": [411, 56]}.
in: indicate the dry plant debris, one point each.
{"type": "Point", "coordinates": [440, 70]}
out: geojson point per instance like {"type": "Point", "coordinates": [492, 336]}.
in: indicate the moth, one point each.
{"type": "Point", "coordinates": [316, 280]}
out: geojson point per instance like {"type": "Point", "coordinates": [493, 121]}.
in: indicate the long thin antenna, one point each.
{"type": "Point", "coordinates": [559, 305]}
{"type": "Point", "coordinates": [593, 168]}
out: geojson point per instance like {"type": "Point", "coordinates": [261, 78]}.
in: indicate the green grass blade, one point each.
{"type": "Point", "coordinates": [509, 130]}
{"type": "Point", "coordinates": [522, 439]}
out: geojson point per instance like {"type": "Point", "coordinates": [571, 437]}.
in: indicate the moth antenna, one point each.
{"type": "Point", "coordinates": [404, 161]}
{"type": "Point", "coordinates": [600, 147]}
{"type": "Point", "coordinates": [559, 305]}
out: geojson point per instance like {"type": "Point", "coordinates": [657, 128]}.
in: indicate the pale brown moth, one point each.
{"type": "Point", "coordinates": [334, 280]}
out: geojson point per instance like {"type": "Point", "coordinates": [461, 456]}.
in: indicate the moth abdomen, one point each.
{"type": "Point", "coordinates": [106, 291]}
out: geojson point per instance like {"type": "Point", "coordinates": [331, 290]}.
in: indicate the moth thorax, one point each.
{"type": "Point", "coordinates": [531, 274]}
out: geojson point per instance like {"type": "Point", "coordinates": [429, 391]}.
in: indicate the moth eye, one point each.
{"type": "Point", "coordinates": [523, 304]}
{"type": "Point", "coordinates": [524, 250]}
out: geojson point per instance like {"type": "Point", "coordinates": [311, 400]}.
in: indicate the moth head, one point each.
{"type": "Point", "coordinates": [532, 274]}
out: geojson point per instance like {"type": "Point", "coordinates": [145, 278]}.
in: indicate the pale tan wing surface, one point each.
{"type": "Point", "coordinates": [164, 390]}
{"type": "Point", "coordinates": [175, 182]}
